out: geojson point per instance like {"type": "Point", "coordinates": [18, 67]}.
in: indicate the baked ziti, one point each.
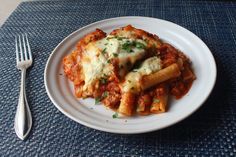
{"type": "Point", "coordinates": [129, 70]}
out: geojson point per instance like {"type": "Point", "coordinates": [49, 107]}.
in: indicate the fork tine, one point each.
{"type": "Point", "coordinates": [29, 50]}
{"type": "Point", "coordinates": [21, 53]}
{"type": "Point", "coordinates": [25, 52]}
{"type": "Point", "coordinates": [17, 52]}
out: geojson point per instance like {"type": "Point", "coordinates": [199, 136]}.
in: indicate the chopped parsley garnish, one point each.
{"type": "Point", "coordinates": [115, 115]}
{"type": "Point", "coordinates": [131, 51]}
{"type": "Point", "coordinates": [105, 94]}
{"type": "Point", "coordinates": [129, 45]}
{"type": "Point", "coordinates": [115, 54]}
{"type": "Point", "coordinates": [105, 43]}
{"type": "Point", "coordinates": [103, 80]}
{"type": "Point", "coordinates": [139, 45]}
{"type": "Point", "coordinates": [108, 61]}
{"type": "Point", "coordinates": [108, 38]}
{"type": "Point", "coordinates": [155, 100]}
{"type": "Point", "coordinates": [146, 40]}
{"type": "Point", "coordinates": [105, 75]}
{"type": "Point", "coordinates": [97, 100]}
{"type": "Point", "coordinates": [104, 51]}
{"type": "Point", "coordinates": [120, 38]}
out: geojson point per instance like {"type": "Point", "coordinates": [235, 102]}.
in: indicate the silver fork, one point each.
{"type": "Point", "coordinates": [23, 119]}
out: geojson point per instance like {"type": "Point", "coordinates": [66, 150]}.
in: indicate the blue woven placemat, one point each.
{"type": "Point", "coordinates": [211, 131]}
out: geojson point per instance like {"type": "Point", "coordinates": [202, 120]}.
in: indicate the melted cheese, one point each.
{"type": "Point", "coordinates": [94, 65]}
{"type": "Point", "coordinates": [132, 79]}
{"type": "Point", "coordinates": [114, 47]}
{"type": "Point", "coordinates": [149, 66]}
{"type": "Point", "coordinates": [97, 54]}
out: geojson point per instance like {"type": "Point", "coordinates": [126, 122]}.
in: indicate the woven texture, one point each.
{"type": "Point", "coordinates": [211, 131]}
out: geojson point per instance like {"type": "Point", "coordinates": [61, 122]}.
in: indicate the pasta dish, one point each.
{"type": "Point", "coordinates": [129, 70]}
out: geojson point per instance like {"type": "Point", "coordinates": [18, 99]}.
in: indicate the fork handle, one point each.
{"type": "Point", "coordinates": [23, 119]}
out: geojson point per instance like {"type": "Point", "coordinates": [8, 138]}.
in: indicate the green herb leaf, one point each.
{"type": "Point", "coordinates": [108, 61]}
{"type": "Point", "coordinates": [104, 51]}
{"type": "Point", "coordinates": [97, 100]}
{"type": "Point", "coordinates": [155, 100]}
{"type": "Point", "coordinates": [105, 43]}
{"type": "Point", "coordinates": [139, 45]}
{"type": "Point", "coordinates": [105, 75]}
{"type": "Point", "coordinates": [120, 38]}
{"type": "Point", "coordinates": [105, 94]}
{"type": "Point", "coordinates": [108, 38]}
{"type": "Point", "coordinates": [127, 46]}
{"type": "Point", "coordinates": [115, 115]}
{"type": "Point", "coordinates": [115, 54]}
{"type": "Point", "coordinates": [103, 80]}
{"type": "Point", "coordinates": [146, 40]}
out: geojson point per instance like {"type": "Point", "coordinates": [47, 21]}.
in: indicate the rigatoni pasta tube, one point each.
{"type": "Point", "coordinates": [165, 74]}
{"type": "Point", "coordinates": [127, 104]}
{"type": "Point", "coordinates": [143, 105]}
{"type": "Point", "coordinates": [159, 102]}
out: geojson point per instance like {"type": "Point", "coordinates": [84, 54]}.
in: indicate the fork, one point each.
{"type": "Point", "coordinates": [23, 118]}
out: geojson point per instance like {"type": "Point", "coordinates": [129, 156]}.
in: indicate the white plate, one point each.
{"type": "Point", "coordinates": [60, 89]}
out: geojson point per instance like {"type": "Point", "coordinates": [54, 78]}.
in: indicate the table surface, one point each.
{"type": "Point", "coordinates": [211, 131]}
{"type": "Point", "coordinates": [6, 8]}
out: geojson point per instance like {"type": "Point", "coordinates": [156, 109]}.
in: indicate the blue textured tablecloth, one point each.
{"type": "Point", "coordinates": [211, 131]}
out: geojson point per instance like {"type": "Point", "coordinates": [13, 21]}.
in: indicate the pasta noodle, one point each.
{"type": "Point", "coordinates": [127, 104]}
{"type": "Point", "coordinates": [160, 99]}
{"type": "Point", "coordinates": [169, 72]}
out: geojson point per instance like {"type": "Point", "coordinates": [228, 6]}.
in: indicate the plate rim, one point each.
{"type": "Point", "coordinates": [214, 70]}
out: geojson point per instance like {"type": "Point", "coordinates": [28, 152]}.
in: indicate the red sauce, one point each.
{"type": "Point", "coordinates": [181, 85]}
{"type": "Point", "coordinates": [179, 89]}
